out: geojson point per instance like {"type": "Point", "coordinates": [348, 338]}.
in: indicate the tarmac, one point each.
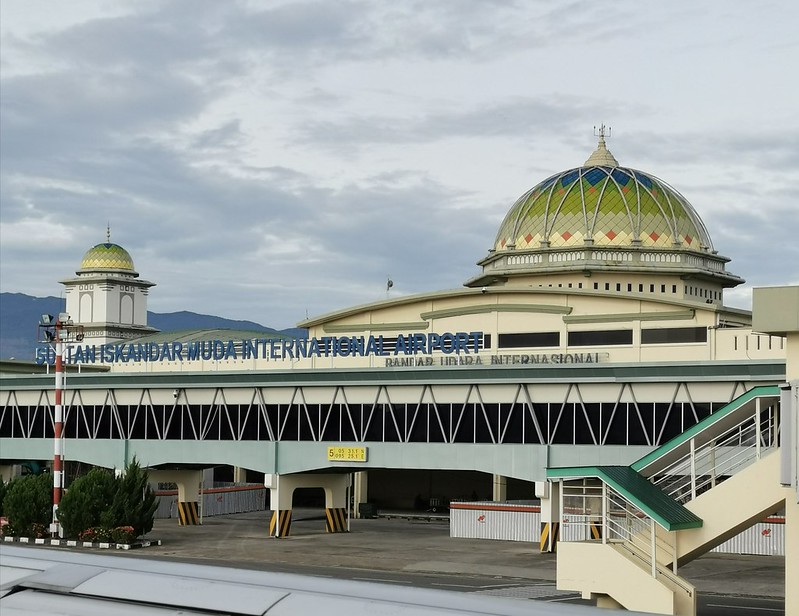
{"type": "Point", "coordinates": [416, 546]}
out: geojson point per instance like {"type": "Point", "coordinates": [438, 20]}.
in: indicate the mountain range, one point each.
{"type": "Point", "coordinates": [19, 318]}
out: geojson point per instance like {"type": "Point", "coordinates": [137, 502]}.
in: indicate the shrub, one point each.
{"type": "Point", "coordinates": [123, 534]}
{"type": "Point", "coordinates": [29, 502]}
{"type": "Point", "coordinates": [84, 504]}
{"type": "Point", "coordinates": [38, 531]}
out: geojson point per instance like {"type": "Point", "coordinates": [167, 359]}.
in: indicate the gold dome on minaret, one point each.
{"type": "Point", "coordinates": [107, 257]}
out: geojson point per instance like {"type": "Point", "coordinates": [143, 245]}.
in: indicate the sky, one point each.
{"type": "Point", "coordinates": [277, 160]}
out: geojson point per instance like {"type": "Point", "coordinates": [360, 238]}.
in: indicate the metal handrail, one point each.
{"type": "Point", "coordinates": [707, 463]}
{"type": "Point", "coordinates": [623, 525]}
{"type": "Point", "coordinates": [662, 572]}
{"type": "Point", "coordinates": [628, 527]}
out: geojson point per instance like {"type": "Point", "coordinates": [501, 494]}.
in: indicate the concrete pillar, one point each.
{"type": "Point", "coordinates": [336, 503]}
{"type": "Point", "coordinates": [361, 491]}
{"type": "Point", "coordinates": [792, 498]}
{"type": "Point", "coordinates": [791, 554]}
{"type": "Point", "coordinates": [549, 493]}
{"type": "Point", "coordinates": [774, 311]}
{"type": "Point", "coordinates": [281, 493]}
{"type": "Point", "coordinates": [790, 462]}
{"type": "Point", "coordinates": [792, 357]}
{"type": "Point", "coordinates": [189, 485]}
{"type": "Point", "coordinates": [239, 474]}
{"type": "Point", "coordinates": [500, 490]}
{"type": "Point", "coordinates": [281, 490]}
{"type": "Point", "coordinates": [7, 472]}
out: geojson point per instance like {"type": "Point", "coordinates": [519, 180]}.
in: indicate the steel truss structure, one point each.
{"type": "Point", "coordinates": [566, 413]}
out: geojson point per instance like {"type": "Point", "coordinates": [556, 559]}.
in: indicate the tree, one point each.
{"type": "Point", "coordinates": [29, 502]}
{"type": "Point", "coordinates": [98, 499]}
{"type": "Point", "coordinates": [134, 503]}
{"type": "Point", "coordinates": [3, 490]}
{"type": "Point", "coordinates": [84, 503]}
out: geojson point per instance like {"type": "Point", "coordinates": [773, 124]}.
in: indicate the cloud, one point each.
{"type": "Point", "coordinates": [516, 119]}
{"type": "Point", "coordinates": [283, 157]}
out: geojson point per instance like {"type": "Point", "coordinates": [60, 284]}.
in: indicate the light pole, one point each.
{"type": "Point", "coordinates": [61, 331]}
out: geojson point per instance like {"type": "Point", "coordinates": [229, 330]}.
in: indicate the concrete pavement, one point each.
{"type": "Point", "coordinates": [408, 546]}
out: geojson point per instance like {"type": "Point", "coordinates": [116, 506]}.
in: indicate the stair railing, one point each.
{"type": "Point", "coordinates": [631, 530]}
{"type": "Point", "coordinates": [713, 457]}
{"type": "Point", "coordinates": [593, 511]}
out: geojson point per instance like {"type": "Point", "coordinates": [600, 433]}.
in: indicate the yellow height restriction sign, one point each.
{"type": "Point", "coordinates": [346, 454]}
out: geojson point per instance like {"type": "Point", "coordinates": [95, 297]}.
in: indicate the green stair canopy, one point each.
{"type": "Point", "coordinates": [667, 512]}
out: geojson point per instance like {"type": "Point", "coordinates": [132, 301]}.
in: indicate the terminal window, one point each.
{"type": "Point", "coordinates": [673, 335]}
{"type": "Point", "coordinates": [601, 337]}
{"type": "Point", "coordinates": [529, 340]}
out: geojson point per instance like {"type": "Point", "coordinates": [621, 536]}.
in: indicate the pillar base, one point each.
{"type": "Point", "coordinates": [336, 520]}
{"type": "Point", "coordinates": [187, 513]}
{"type": "Point", "coordinates": [550, 534]}
{"type": "Point", "coordinates": [281, 528]}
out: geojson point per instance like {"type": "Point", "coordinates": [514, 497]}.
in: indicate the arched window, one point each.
{"type": "Point", "coordinates": [85, 309]}
{"type": "Point", "coordinates": [126, 309]}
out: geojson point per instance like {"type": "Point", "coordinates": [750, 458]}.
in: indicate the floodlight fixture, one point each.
{"type": "Point", "coordinates": [46, 320]}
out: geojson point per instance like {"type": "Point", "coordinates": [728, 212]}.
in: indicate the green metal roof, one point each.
{"type": "Point", "coordinates": [23, 368]}
{"type": "Point", "coordinates": [755, 392]}
{"type": "Point", "coordinates": [209, 334]}
{"type": "Point", "coordinates": [553, 373]}
{"type": "Point", "coordinates": [667, 512]}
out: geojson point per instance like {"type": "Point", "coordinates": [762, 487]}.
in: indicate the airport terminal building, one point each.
{"type": "Point", "coordinates": [594, 332]}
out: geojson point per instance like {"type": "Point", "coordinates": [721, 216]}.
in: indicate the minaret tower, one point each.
{"type": "Point", "coordinates": [107, 296]}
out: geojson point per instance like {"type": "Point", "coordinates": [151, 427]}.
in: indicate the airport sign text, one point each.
{"type": "Point", "coordinates": [448, 343]}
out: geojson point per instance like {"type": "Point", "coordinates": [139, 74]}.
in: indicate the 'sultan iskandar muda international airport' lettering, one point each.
{"type": "Point", "coordinates": [458, 349]}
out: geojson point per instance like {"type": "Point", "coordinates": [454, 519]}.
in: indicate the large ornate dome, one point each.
{"type": "Point", "coordinates": [604, 205]}
{"type": "Point", "coordinates": [602, 217]}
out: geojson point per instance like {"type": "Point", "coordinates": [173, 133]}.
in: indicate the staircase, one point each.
{"type": "Point", "coordinates": [644, 521]}
{"type": "Point", "coordinates": [733, 506]}
{"type": "Point", "coordinates": [616, 576]}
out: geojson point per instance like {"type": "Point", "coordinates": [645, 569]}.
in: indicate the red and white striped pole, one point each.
{"type": "Point", "coordinates": [58, 442]}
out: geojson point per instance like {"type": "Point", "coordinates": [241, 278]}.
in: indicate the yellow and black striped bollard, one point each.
{"type": "Point", "coordinates": [336, 520]}
{"type": "Point", "coordinates": [187, 513]}
{"type": "Point", "coordinates": [280, 527]}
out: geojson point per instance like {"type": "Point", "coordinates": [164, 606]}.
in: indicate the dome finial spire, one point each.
{"type": "Point", "coordinates": [601, 157]}
{"type": "Point", "coordinates": [108, 232]}
{"type": "Point", "coordinates": [601, 133]}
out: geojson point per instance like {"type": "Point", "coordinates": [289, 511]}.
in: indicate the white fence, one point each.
{"type": "Point", "coordinates": [488, 520]}
{"type": "Point", "coordinates": [522, 522]}
{"type": "Point", "coordinates": [765, 538]}
{"type": "Point", "coordinates": [216, 501]}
